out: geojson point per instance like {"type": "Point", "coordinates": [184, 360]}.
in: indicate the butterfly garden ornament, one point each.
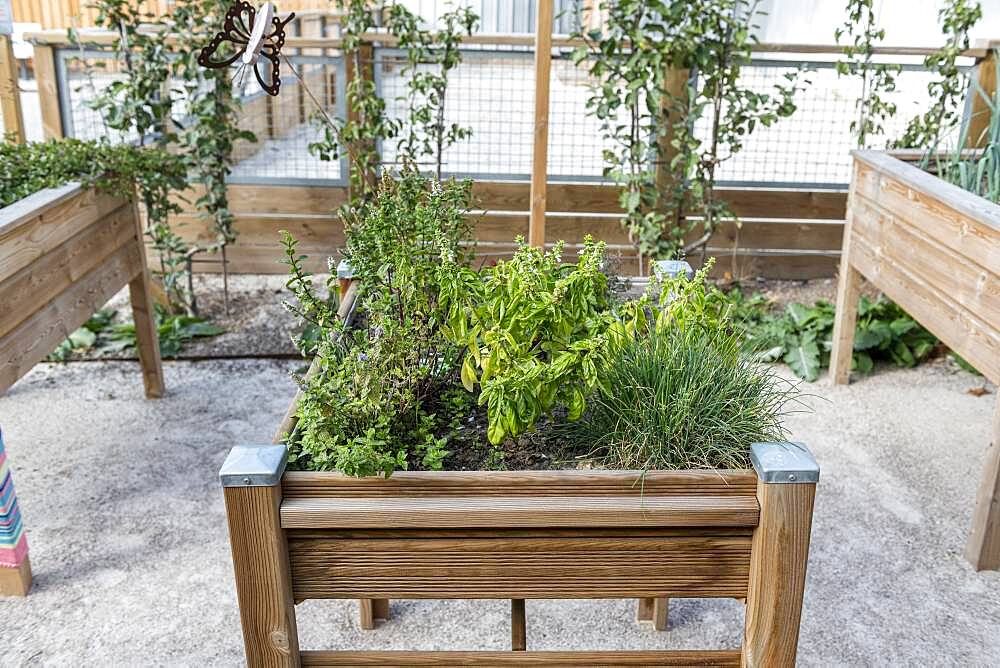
{"type": "Point", "coordinates": [255, 37]}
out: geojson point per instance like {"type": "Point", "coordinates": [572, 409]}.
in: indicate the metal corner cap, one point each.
{"type": "Point", "coordinates": [345, 270]}
{"type": "Point", "coordinates": [254, 466]}
{"type": "Point", "coordinates": [784, 462]}
{"type": "Point", "coordinates": [672, 268]}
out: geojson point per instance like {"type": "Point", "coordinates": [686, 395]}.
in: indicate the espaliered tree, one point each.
{"type": "Point", "coordinates": [648, 121]}
{"type": "Point", "coordinates": [172, 103]}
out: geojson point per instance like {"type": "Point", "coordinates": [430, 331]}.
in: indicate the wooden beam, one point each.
{"type": "Point", "coordinates": [983, 548]}
{"type": "Point", "coordinates": [518, 626]}
{"type": "Point", "coordinates": [980, 114]}
{"type": "Point", "coordinates": [48, 91]}
{"type": "Point", "coordinates": [10, 95]}
{"type": "Point", "coordinates": [654, 611]}
{"type": "Point", "coordinates": [540, 148]}
{"type": "Point", "coordinates": [143, 315]}
{"type": "Point", "coordinates": [616, 659]}
{"type": "Point", "coordinates": [846, 313]}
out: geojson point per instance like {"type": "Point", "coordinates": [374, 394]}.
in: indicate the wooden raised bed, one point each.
{"type": "Point", "coordinates": [519, 535]}
{"type": "Point", "coordinates": [934, 249]}
{"type": "Point", "coordinates": [63, 253]}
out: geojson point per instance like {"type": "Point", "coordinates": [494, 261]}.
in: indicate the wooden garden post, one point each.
{"type": "Point", "coordinates": [48, 91]}
{"type": "Point", "coordinates": [986, 75]}
{"type": "Point", "coordinates": [846, 314]}
{"type": "Point", "coordinates": [10, 97]}
{"type": "Point", "coordinates": [787, 474]}
{"type": "Point", "coordinates": [983, 548]}
{"type": "Point", "coordinates": [540, 149]}
{"type": "Point", "coordinates": [251, 481]}
{"type": "Point", "coordinates": [15, 569]}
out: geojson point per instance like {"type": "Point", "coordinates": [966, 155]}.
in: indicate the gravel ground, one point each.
{"type": "Point", "coordinates": [131, 558]}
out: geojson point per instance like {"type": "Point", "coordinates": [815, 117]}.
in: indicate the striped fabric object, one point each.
{"type": "Point", "coordinates": [13, 543]}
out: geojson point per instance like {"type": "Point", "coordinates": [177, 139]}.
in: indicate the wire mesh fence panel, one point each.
{"type": "Point", "coordinates": [492, 94]}
{"type": "Point", "coordinates": [84, 75]}
{"type": "Point", "coordinates": [287, 124]}
{"type": "Point", "coordinates": [811, 148]}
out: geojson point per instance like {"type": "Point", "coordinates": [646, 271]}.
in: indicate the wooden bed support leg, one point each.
{"type": "Point", "coordinates": [15, 569]}
{"type": "Point", "coordinates": [846, 318]}
{"type": "Point", "coordinates": [373, 610]}
{"type": "Point", "coordinates": [787, 476]}
{"type": "Point", "coordinates": [518, 626]}
{"type": "Point", "coordinates": [983, 548]}
{"type": "Point", "coordinates": [146, 333]}
{"type": "Point", "coordinates": [251, 481]}
{"type": "Point", "coordinates": [653, 610]}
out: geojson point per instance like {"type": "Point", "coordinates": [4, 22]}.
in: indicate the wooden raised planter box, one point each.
{"type": "Point", "coordinates": [520, 535]}
{"type": "Point", "coordinates": [934, 249]}
{"type": "Point", "coordinates": [63, 253]}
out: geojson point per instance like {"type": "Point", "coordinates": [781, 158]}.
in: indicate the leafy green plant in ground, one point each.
{"type": "Point", "coordinates": [101, 332]}
{"type": "Point", "coordinates": [682, 398]}
{"type": "Point", "coordinates": [801, 336]}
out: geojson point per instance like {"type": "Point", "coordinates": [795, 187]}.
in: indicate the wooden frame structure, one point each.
{"type": "Point", "coordinates": [63, 253]}
{"type": "Point", "coordinates": [934, 249]}
{"type": "Point", "coordinates": [519, 535]}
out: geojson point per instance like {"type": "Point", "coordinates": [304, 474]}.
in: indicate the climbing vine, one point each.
{"type": "Point", "coordinates": [648, 119]}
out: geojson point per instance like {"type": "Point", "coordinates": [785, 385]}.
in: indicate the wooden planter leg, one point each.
{"type": "Point", "coordinates": [373, 610]}
{"type": "Point", "coordinates": [787, 476]}
{"type": "Point", "coordinates": [653, 610]}
{"type": "Point", "coordinates": [251, 480]}
{"type": "Point", "coordinates": [518, 626]}
{"type": "Point", "coordinates": [15, 569]}
{"type": "Point", "coordinates": [146, 333]}
{"type": "Point", "coordinates": [846, 317]}
{"type": "Point", "coordinates": [983, 548]}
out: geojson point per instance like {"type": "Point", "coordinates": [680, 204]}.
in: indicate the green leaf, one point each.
{"type": "Point", "coordinates": [803, 358]}
{"type": "Point", "coordinates": [468, 374]}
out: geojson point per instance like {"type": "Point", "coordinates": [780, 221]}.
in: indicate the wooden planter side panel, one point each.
{"type": "Point", "coordinates": [63, 254]}
{"type": "Point", "coordinates": [934, 250]}
{"type": "Point", "coordinates": [558, 534]}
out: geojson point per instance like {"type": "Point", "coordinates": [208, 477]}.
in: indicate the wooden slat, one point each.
{"type": "Point", "coordinates": [43, 221]}
{"type": "Point", "coordinates": [308, 484]}
{"type": "Point", "coordinates": [540, 145]}
{"type": "Point", "coordinates": [562, 659]}
{"type": "Point", "coordinates": [10, 95]}
{"type": "Point", "coordinates": [522, 511]}
{"type": "Point", "coordinates": [32, 340]}
{"type": "Point", "coordinates": [969, 285]}
{"type": "Point", "coordinates": [961, 330]}
{"type": "Point", "coordinates": [35, 285]}
{"type": "Point", "coordinates": [147, 335]}
{"type": "Point", "coordinates": [541, 567]}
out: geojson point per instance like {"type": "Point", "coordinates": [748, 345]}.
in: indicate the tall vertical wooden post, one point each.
{"type": "Point", "coordinates": [251, 481]}
{"type": "Point", "coordinates": [10, 97]}
{"type": "Point", "coordinates": [787, 476]}
{"type": "Point", "coordinates": [540, 149]}
{"type": "Point", "coordinates": [986, 75]}
{"type": "Point", "coordinates": [48, 91]}
{"type": "Point", "coordinates": [983, 548]}
{"type": "Point", "coordinates": [15, 569]}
